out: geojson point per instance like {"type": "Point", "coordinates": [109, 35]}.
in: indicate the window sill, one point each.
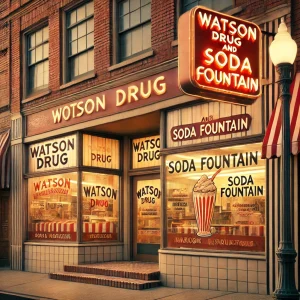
{"type": "Point", "coordinates": [78, 80]}
{"type": "Point", "coordinates": [36, 96]}
{"type": "Point", "coordinates": [131, 60]}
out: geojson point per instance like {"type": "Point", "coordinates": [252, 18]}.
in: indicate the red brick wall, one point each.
{"type": "Point", "coordinates": [162, 36]}
{"type": "Point", "coordinates": [163, 21]}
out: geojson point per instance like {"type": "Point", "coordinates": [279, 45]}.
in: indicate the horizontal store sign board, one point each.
{"type": "Point", "coordinates": [134, 95]}
{"type": "Point", "coordinates": [53, 154]}
{"type": "Point", "coordinates": [219, 56]}
{"type": "Point", "coordinates": [211, 127]}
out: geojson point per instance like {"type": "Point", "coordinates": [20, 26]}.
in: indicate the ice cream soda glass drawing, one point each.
{"type": "Point", "coordinates": [204, 197]}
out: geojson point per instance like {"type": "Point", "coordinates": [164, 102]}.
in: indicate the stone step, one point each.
{"type": "Point", "coordinates": [119, 282]}
{"type": "Point", "coordinates": [133, 270]}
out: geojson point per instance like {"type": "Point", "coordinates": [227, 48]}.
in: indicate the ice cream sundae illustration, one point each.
{"type": "Point", "coordinates": [204, 197]}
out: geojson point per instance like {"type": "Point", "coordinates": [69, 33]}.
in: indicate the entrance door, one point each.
{"type": "Point", "coordinates": [4, 236]}
{"type": "Point", "coordinates": [146, 217]}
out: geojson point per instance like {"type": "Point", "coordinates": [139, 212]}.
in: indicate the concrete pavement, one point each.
{"type": "Point", "coordinates": [16, 285]}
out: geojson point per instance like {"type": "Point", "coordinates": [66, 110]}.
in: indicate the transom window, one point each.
{"type": "Point", "coordinates": [38, 60]}
{"type": "Point", "coordinates": [213, 4]}
{"type": "Point", "coordinates": [80, 32]}
{"type": "Point", "coordinates": [134, 27]}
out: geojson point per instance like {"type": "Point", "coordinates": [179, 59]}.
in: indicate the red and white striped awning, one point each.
{"type": "Point", "coordinates": [4, 159]}
{"type": "Point", "coordinates": [271, 147]}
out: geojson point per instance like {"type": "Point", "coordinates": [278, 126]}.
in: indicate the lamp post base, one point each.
{"type": "Point", "coordinates": [286, 288]}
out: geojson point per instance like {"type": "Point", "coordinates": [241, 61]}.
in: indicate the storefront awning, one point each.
{"type": "Point", "coordinates": [4, 159]}
{"type": "Point", "coordinates": [271, 147]}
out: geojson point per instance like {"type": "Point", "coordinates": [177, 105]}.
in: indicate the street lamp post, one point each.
{"type": "Point", "coordinates": [283, 52]}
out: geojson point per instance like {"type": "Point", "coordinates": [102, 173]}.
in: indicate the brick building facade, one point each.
{"type": "Point", "coordinates": [128, 45]}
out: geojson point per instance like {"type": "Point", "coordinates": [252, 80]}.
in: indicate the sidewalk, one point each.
{"type": "Point", "coordinates": [25, 285]}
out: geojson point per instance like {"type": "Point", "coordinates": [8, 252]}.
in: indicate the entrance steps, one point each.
{"type": "Point", "coordinates": [122, 274]}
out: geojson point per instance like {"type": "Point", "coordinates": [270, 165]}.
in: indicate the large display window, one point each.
{"type": "Point", "coordinates": [53, 207]}
{"type": "Point", "coordinates": [100, 206]}
{"type": "Point", "coordinates": [216, 199]}
{"type": "Point", "coordinates": [53, 199]}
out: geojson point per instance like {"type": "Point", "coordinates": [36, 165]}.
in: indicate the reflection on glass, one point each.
{"type": "Point", "coordinates": [100, 206]}
{"type": "Point", "coordinates": [148, 211]}
{"type": "Point", "coordinates": [52, 204]}
{"type": "Point", "coordinates": [228, 182]}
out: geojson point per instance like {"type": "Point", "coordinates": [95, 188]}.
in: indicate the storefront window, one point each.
{"type": "Point", "coordinates": [100, 206]}
{"type": "Point", "coordinates": [53, 207]}
{"type": "Point", "coordinates": [216, 199]}
{"type": "Point", "coordinates": [101, 152]}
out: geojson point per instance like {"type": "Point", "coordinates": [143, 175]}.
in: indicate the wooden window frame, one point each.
{"type": "Point", "coordinates": [28, 94]}
{"type": "Point", "coordinates": [116, 59]}
{"type": "Point", "coordinates": [66, 80]}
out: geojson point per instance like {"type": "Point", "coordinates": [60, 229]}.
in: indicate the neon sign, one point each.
{"type": "Point", "coordinates": [219, 56]}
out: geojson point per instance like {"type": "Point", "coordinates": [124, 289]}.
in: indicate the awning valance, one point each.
{"type": "Point", "coordinates": [4, 159]}
{"type": "Point", "coordinates": [271, 147]}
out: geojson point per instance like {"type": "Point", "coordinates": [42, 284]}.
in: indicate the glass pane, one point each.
{"type": "Point", "coordinates": [147, 36]}
{"type": "Point", "coordinates": [137, 40]}
{"type": "Point", "coordinates": [39, 53]}
{"type": "Point", "coordinates": [46, 66]}
{"type": "Point", "coordinates": [82, 30]}
{"type": "Point", "coordinates": [135, 18]}
{"type": "Point", "coordinates": [90, 40]}
{"type": "Point", "coordinates": [40, 76]}
{"type": "Point", "coordinates": [222, 5]}
{"type": "Point", "coordinates": [73, 34]}
{"type": "Point", "coordinates": [123, 8]}
{"type": "Point", "coordinates": [73, 48]}
{"type": "Point", "coordinates": [80, 13]}
{"type": "Point", "coordinates": [188, 7]}
{"type": "Point", "coordinates": [146, 13]}
{"type": "Point", "coordinates": [31, 40]}
{"type": "Point", "coordinates": [125, 50]}
{"type": "Point", "coordinates": [31, 57]}
{"type": "Point", "coordinates": [46, 78]}
{"type": "Point", "coordinates": [74, 67]}
{"type": "Point", "coordinates": [31, 78]}
{"type": "Point", "coordinates": [39, 37]}
{"type": "Point", "coordinates": [46, 50]}
{"type": "Point", "coordinates": [124, 23]}
{"type": "Point", "coordinates": [207, 3]}
{"type": "Point", "coordinates": [82, 63]}
{"type": "Point", "coordinates": [134, 4]}
{"type": "Point", "coordinates": [46, 33]}
{"type": "Point", "coordinates": [52, 207]}
{"type": "Point", "coordinates": [91, 60]}
{"type": "Point", "coordinates": [81, 44]}
{"type": "Point", "coordinates": [90, 25]}
{"type": "Point", "coordinates": [148, 206]}
{"type": "Point", "coordinates": [100, 207]}
{"type": "Point", "coordinates": [89, 9]}
{"type": "Point", "coordinates": [144, 2]}
{"type": "Point", "coordinates": [72, 18]}
{"type": "Point", "coordinates": [222, 199]}
{"type": "Point", "coordinates": [40, 68]}
{"type": "Point", "coordinates": [186, 2]}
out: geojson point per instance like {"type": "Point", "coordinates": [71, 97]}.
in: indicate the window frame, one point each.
{"type": "Point", "coordinates": [117, 34]}
{"type": "Point", "coordinates": [224, 10]}
{"type": "Point", "coordinates": [25, 67]}
{"type": "Point", "coordinates": [179, 12]}
{"type": "Point", "coordinates": [65, 65]}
